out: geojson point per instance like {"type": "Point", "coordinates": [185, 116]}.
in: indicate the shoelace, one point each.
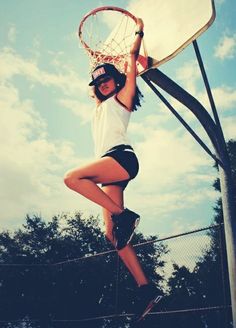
{"type": "Point", "coordinates": [114, 229]}
{"type": "Point", "coordinates": [113, 232]}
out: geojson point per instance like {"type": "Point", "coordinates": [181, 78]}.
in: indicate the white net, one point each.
{"type": "Point", "coordinates": [107, 37]}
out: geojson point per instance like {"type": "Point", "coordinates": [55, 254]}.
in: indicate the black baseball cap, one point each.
{"type": "Point", "coordinates": [103, 70]}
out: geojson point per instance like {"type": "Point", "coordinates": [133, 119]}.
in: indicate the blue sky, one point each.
{"type": "Point", "coordinates": [45, 111]}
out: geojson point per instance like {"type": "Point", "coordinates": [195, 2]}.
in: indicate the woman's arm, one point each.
{"type": "Point", "coordinates": [127, 93]}
{"type": "Point", "coordinates": [92, 94]}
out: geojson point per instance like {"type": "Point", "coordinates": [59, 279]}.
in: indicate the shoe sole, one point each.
{"type": "Point", "coordinates": [150, 307]}
{"type": "Point", "coordinates": [136, 223]}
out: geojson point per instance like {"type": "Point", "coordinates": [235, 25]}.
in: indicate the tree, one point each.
{"type": "Point", "coordinates": [207, 285]}
{"type": "Point", "coordinates": [48, 273]}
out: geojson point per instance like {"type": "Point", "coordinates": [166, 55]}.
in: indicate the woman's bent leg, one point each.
{"type": "Point", "coordinates": [127, 254]}
{"type": "Point", "coordinates": [84, 180]}
{"type": "Point", "coordinates": [129, 257]}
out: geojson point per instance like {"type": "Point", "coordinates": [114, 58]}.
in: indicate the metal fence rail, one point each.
{"type": "Point", "coordinates": [206, 302]}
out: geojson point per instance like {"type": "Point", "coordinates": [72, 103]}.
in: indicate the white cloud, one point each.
{"type": "Point", "coordinates": [66, 79]}
{"type": "Point", "coordinates": [229, 127]}
{"type": "Point", "coordinates": [219, 2]}
{"type": "Point", "coordinates": [35, 48]}
{"type": "Point", "coordinates": [12, 34]}
{"type": "Point", "coordinates": [149, 123]}
{"type": "Point", "coordinates": [224, 97]}
{"type": "Point", "coordinates": [188, 74]}
{"type": "Point", "coordinates": [225, 101]}
{"type": "Point", "coordinates": [84, 111]}
{"type": "Point", "coordinates": [175, 173]}
{"type": "Point", "coordinates": [159, 204]}
{"type": "Point", "coordinates": [166, 157]}
{"type": "Point", "coordinates": [226, 47]}
{"type": "Point", "coordinates": [32, 166]}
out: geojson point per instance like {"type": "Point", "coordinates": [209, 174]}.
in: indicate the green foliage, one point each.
{"type": "Point", "coordinates": [207, 285]}
{"type": "Point", "coordinates": [59, 276]}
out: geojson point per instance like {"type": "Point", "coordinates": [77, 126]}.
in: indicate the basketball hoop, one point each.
{"type": "Point", "coordinates": [106, 34]}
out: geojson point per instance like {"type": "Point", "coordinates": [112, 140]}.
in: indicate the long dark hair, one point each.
{"type": "Point", "coordinates": [120, 79]}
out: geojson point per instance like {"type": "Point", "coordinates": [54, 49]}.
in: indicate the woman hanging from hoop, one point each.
{"type": "Point", "coordinates": [116, 96]}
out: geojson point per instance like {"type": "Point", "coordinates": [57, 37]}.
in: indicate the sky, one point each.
{"type": "Point", "coordinates": [45, 112]}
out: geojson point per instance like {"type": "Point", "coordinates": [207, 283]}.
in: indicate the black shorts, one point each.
{"type": "Point", "coordinates": [125, 156]}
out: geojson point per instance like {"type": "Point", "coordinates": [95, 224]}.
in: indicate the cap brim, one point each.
{"type": "Point", "coordinates": [91, 83]}
{"type": "Point", "coordinates": [97, 79]}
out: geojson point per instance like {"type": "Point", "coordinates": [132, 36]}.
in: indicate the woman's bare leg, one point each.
{"type": "Point", "coordinates": [127, 254]}
{"type": "Point", "coordinates": [129, 257]}
{"type": "Point", "coordinates": [84, 180]}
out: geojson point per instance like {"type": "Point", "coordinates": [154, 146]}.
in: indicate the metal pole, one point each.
{"type": "Point", "coordinates": [227, 187]}
{"type": "Point", "coordinates": [207, 85]}
{"type": "Point", "coordinates": [226, 192]}
{"type": "Point", "coordinates": [182, 121]}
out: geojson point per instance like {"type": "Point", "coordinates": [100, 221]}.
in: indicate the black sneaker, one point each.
{"type": "Point", "coordinates": [147, 297]}
{"type": "Point", "coordinates": [124, 225]}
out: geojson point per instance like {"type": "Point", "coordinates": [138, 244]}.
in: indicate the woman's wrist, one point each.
{"type": "Point", "coordinates": [140, 33]}
{"type": "Point", "coordinates": [139, 25]}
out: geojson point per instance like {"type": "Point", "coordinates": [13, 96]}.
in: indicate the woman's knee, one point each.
{"type": "Point", "coordinates": [109, 237]}
{"type": "Point", "coordinates": [70, 179]}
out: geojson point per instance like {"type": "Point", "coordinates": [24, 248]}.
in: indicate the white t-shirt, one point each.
{"type": "Point", "coordinates": [109, 125]}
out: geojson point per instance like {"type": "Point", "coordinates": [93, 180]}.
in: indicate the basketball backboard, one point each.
{"type": "Point", "coordinates": [171, 25]}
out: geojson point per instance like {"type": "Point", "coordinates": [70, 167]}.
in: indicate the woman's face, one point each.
{"type": "Point", "coordinates": [106, 85]}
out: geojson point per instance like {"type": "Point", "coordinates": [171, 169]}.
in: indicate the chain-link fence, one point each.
{"type": "Point", "coordinates": [192, 277]}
